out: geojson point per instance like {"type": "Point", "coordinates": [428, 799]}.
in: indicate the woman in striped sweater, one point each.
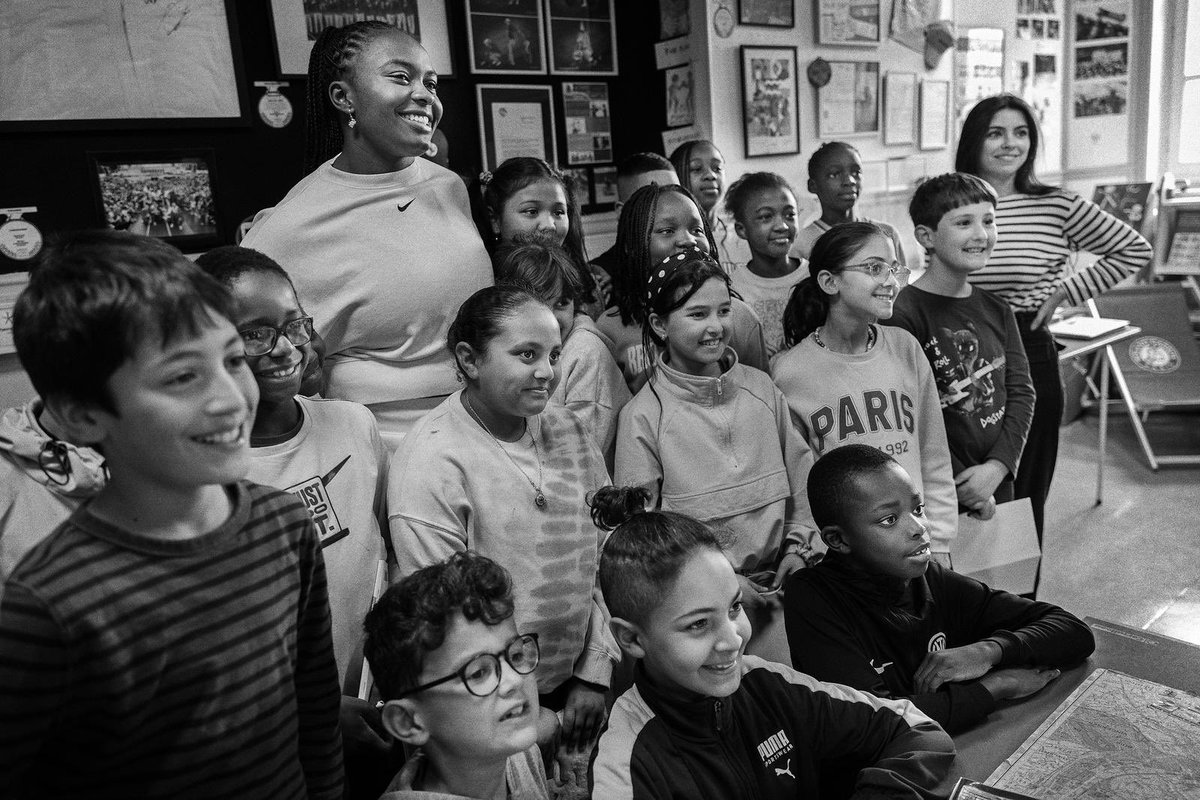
{"type": "Point", "coordinates": [1039, 229]}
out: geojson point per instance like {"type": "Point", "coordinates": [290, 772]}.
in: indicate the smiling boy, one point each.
{"type": "Point", "coordinates": [970, 338]}
{"type": "Point", "coordinates": [132, 652]}
{"type": "Point", "coordinates": [879, 614]}
{"type": "Point", "coordinates": [457, 682]}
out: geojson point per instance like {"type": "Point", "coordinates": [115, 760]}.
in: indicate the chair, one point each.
{"type": "Point", "coordinates": [1159, 369]}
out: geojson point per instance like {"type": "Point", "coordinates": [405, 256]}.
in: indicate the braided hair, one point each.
{"type": "Point", "coordinates": [633, 248]}
{"type": "Point", "coordinates": [333, 55]}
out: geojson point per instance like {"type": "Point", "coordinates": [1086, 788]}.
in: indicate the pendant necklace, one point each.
{"type": "Point", "coordinates": [539, 499]}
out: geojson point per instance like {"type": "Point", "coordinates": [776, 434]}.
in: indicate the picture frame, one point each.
{"type": "Point", "coordinates": [506, 37]}
{"type": "Point", "coordinates": [167, 194]}
{"type": "Point", "coordinates": [899, 107]}
{"type": "Point", "coordinates": [582, 37]}
{"type": "Point", "coordinates": [516, 120]}
{"type": "Point", "coordinates": [857, 23]}
{"type": "Point", "coordinates": [848, 105]}
{"type": "Point", "coordinates": [934, 117]}
{"type": "Point", "coordinates": [767, 13]}
{"type": "Point", "coordinates": [770, 107]}
{"type": "Point", "coordinates": [587, 119]}
{"type": "Point", "coordinates": [294, 28]}
{"type": "Point", "coordinates": [110, 77]}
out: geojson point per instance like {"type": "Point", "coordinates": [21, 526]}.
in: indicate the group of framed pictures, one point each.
{"type": "Point", "coordinates": [838, 22]}
{"type": "Point", "coordinates": [522, 37]}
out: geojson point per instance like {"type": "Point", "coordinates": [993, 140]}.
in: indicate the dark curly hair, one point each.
{"type": "Point", "coordinates": [411, 618]}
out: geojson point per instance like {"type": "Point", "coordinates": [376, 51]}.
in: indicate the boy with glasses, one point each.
{"type": "Point", "coordinates": [328, 453]}
{"type": "Point", "coordinates": [457, 682]}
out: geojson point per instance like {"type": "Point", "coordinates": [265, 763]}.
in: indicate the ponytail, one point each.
{"type": "Point", "coordinates": [806, 310]}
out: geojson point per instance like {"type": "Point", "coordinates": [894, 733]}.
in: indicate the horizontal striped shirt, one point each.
{"type": "Point", "coordinates": [137, 667]}
{"type": "Point", "coordinates": [1036, 239]}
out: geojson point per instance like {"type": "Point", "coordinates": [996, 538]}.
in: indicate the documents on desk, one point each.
{"type": "Point", "coordinates": [974, 790]}
{"type": "Point", "coordinates": [1115, 737]}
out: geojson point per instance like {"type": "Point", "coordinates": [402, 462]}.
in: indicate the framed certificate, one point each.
{"type": "Point", "coordinates": [934, 128]}
{"type": "Point", "coordinates": [849, 104]}
{"type": "Point", "coordinates": [516, 121]}
{"type": "Point", "coordinates": [899, 107]}
{"type": "Point", "coordinates": [849, 22]}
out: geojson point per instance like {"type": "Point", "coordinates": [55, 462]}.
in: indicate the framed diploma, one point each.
{"type": "Point", "coordinates": [516, 120]}
{"type": "Point", "coordinates": [849, 104]}
{"type": "Point", "coordinates": [934, 108]}
{"type": "Point", "coordinates": [899, 107]}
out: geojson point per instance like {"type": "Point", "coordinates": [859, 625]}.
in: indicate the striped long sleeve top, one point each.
{"type": "Point", "coordinates": [1035, 239]}
{"type": "Point", "coordinates": [136, 667]}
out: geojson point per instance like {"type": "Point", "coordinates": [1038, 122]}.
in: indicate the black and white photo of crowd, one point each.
{"type": "Point", "coordinates": [161, 199]}
{"type": "Point", "coordinates": [322, 14]}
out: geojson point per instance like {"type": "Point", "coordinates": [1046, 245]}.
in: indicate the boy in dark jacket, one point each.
{"type": "Point", "coordinates": [879, 614]}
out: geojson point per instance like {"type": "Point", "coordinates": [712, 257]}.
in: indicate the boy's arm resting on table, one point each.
{"type": "Point", "coordinates": [35, 665]}
{"type": "Point", "coordinates": [826, 647]}
{"type": "Point", "coordinates": [1028, 632]}
{"type": "Point", "coordinates": [904, 753]}
{"type": "Point", "coordinates": [318, 695]}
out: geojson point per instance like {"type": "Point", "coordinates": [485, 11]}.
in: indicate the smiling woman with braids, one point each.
{"type": "Point", "coordinates": [379, 241]}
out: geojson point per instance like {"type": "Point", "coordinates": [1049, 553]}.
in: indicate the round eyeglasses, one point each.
{"type": "Point", "coordinates": [260, 341]}
{"type": "Point", "coordinates": [879, 270]}
{"type": "Point", "coordinates": [481, 675]}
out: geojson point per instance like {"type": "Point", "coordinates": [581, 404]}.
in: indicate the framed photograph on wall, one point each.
{"type": "Point", "coordinates": [934, 125]}
{"type": "Point", "coordinates": [849, 104]}
{"type": "Point", "coordinates": [297, 23]}
{"type": "Point", "coordinates": [770, 111]}
{"type": "Point", "coordinates": [851, 22]}
{"type": "Point", "coordinates": [516, 121]}
{"type": "Point", "coordinates": [767, 13]}
{"type": "Point", "coordinates": [168, 65]}
{"type": "Point", "coordinates": [582, 36]}
{"type": "Point", "coordinates": [899, 107]}
{"type": "Point", "coordinates": [505, 37]}
{"type": "Point", "coordinates": [165, 194]}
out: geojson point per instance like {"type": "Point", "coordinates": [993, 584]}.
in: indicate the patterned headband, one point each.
{"type": "Point", "coordinates": [664, 269]}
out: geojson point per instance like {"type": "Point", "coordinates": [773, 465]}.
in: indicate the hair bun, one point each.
{"type": "Point", "coordinates": [485, 178]}
{"type": "Point", "coordinates": [613, 506]}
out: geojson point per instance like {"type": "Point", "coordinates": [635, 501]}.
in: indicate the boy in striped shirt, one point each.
{"type": "Point", "coordinates": [172, 637]}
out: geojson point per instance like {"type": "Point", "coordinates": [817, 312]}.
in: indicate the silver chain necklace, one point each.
{"type": "Point", "coordinates": [816, 334]}
{"type": "Point", "coordinates": [539, 499]}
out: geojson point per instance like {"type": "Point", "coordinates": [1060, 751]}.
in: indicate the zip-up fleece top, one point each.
{"type": "Point", "coordinates": [782, 734]}
{"type": "Point", "coordinates": [723, 450]}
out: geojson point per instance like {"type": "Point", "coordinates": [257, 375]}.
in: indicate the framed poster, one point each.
{"type": "Point", "coordinates": [678, 84]}
{"type": "Point", "coordinates": [583, 37]}
{"type": "Point", "coordinates": [934, 124]}
{"type": "Point", "coordinates": [767, 13]}
{"type": "Point", "coordinates": [296, 24]}
{"type": "Point", "coordinates": [119, 65]}
{"type": "Point", "coordinates": [899, 107]}
{"type": "Point", "coordinates": [770, 115]}
{"type": "Point", "coordinates": [165, 194]}
{"type": "Point", "coordinates": [505, 37]}
{"type": "Point", "coordinates": [515, 121]}
{"type": "Point", "coordinates": [1127, 202]}
{"type": "Point", "coordinates": [849, 104]}
{"type": "Point", "coordinates": [851, 22]}
{"type": "Point", "coordinates": [587, 117]}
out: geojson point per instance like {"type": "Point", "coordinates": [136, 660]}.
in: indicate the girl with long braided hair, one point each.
{"type": "Point", "coordinates": [379, 241]}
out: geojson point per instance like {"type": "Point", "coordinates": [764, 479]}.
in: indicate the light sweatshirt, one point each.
{"type": "Point", "coordinates": [453, 487]}
{"type": "Point", "coordinates": [590, 383]}
{"type": "Point", "coordinates": [523, 773]}
{"type": "Point", "coordinates": [33, 500]}
{"type": "Point", "coordinates": [807, 236]}
{"type": "Point", "coordinates": [382, 263]}
{"type": "Point", "coordinates": [336, 465]}
{"type": "Point", "coordinates": [722, 450]}
{"type": "Point", "coordinates": [885, 397]}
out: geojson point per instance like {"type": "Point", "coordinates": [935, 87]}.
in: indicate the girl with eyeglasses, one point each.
{"type": "Point", "coordinates": [847, 379]}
